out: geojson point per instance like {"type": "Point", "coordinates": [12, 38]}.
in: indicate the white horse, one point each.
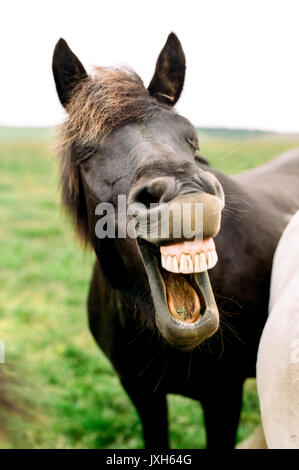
{"type": "Point", "coordinates": [278, 355]}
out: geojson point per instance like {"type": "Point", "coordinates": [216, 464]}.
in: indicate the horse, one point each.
{"type": "Point", "coordinates": [170, 318]}
{"type": "Point", "coordinates": [278, 354]}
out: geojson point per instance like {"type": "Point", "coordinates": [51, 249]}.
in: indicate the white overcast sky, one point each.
{"type": "Point", "coordinates": [242, 55]}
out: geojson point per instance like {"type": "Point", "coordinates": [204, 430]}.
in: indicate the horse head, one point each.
{"type": "Point", "coordinates": [123, 139]}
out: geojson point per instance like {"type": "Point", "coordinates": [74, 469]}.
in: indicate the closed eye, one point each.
{"type": "Point", "coordinates": [193, 142]}
{"type": "Point", "coordinates": [84, 154]}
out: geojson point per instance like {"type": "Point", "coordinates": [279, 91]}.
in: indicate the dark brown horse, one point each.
{"type": "Point", "coordinates": [150, 302]}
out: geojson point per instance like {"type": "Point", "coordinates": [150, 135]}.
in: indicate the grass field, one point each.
{"type": "Point", "coordinates": [44, 276]}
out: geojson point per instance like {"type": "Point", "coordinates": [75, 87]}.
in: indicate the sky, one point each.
{"type": "Point", "coordinates": [242, 55]}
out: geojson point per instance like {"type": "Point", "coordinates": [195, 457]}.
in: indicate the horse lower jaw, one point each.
{"type": "Point", "coordinates": [184, 333]}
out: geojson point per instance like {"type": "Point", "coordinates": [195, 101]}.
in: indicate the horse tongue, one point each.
{"type": "Point", "coordinates": [183, 301]}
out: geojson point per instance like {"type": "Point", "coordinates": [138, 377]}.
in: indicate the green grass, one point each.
{"type": "Point", "coordinates": [44, 276]}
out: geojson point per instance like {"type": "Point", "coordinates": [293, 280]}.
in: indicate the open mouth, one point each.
{"type": "Point", "coordinates": [184, 298]}
{"type": "Point", "coordinates": [186, 311]}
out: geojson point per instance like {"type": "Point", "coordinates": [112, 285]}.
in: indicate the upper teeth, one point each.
{"type": "Point", "coordinates": [187, 264]}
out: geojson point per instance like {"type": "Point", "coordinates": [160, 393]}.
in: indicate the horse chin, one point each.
{"type": "Point", "coordinates": [185, 307]}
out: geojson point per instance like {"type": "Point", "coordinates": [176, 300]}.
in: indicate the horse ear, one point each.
{"type": "Point", "coordinates": [67, 71]}
{"type": "Point", "coordinates": [168, 80]}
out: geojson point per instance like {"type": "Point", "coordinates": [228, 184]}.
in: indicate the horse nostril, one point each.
{"type": "Point", "coordinates": [147, 197]}
{"type": "Point", "coordinates": [158, 190]}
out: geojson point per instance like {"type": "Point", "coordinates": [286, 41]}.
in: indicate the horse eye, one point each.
{"type": "Point", "coordinates": [85, 154]}
{"type": "Point", "coordinates": [193, 142]}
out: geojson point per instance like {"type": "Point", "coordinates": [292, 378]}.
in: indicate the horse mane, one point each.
{"type": "Point", "coordinates": [100, 104]}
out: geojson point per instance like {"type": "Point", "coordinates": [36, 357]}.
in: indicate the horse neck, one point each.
{"type": "Point", "coordinates": [243, 227]}
{"type": "Point", "coordinates": [239, 203]}
{"type": "Point", "coordinates": [247, 239]}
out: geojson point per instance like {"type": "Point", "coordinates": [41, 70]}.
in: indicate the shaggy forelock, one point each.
{"type": "Point", "coordinates": [111, 98]}
{"type": "Point", "coordinates": [100, 104]}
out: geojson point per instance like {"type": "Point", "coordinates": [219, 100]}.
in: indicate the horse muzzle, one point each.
{"type": "Point", "coordinates": [177, 266]}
